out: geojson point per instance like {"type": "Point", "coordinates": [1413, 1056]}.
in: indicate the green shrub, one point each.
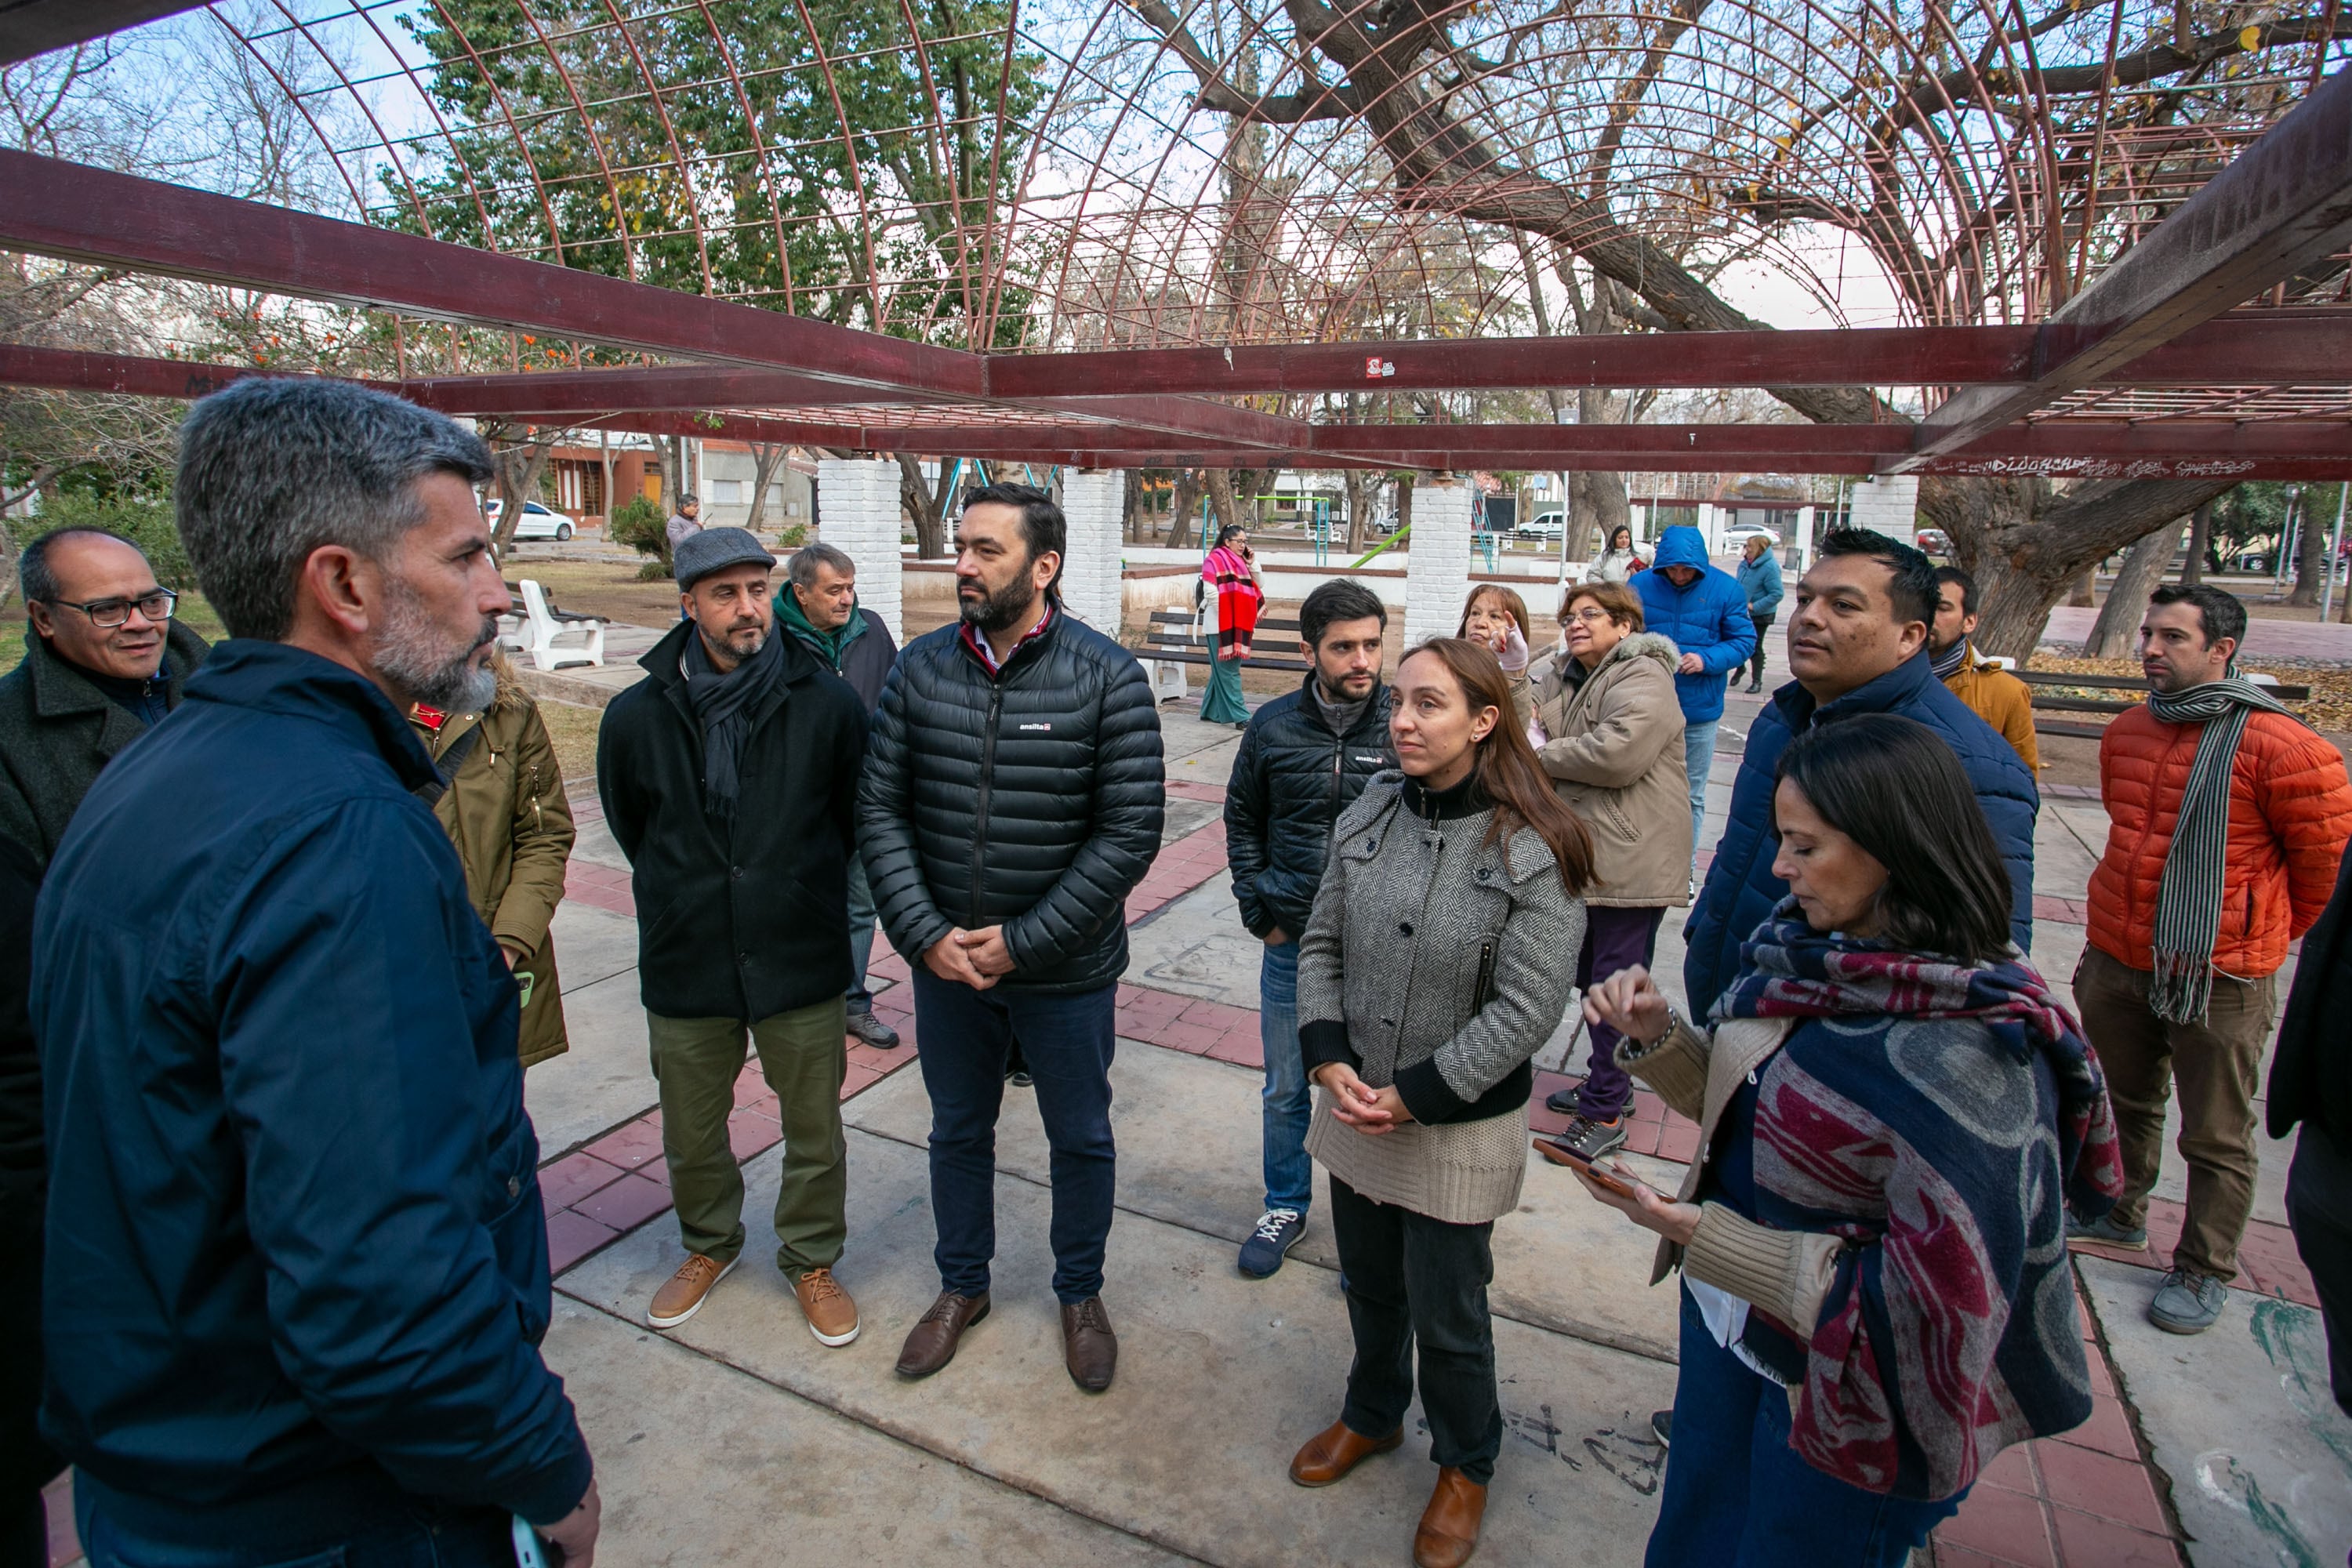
{"type": "Point", "coordinates": [145, 520]}
{"type": "Point", "coordinates": [793, 537]}
{"type": "Point", "coordinates": [653, 571]}
{"type": "Point", "coordinates": [640, 524]}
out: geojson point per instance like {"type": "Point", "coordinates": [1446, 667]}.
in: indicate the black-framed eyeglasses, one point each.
{"type": "Point", "coordinates": [107, 614]}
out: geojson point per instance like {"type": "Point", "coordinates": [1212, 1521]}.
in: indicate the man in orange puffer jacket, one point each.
{"type": "Point", "coordinates": [2227, 819]}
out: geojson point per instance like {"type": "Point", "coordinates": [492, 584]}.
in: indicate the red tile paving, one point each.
{"type": "Point", "coordinates": [626, 1204]}
{"type": "Point", "coordinates": [2269, 1263]}
{"type": "Point", "coordinates": [2061, 911]}
{"type": "Point", "coordinates": [573, 1236]}
{"type": "Point", "coordinates": [566, 1181]}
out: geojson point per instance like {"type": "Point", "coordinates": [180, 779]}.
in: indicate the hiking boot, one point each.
{"type": "Point", "coordinates": [1449, 1525]}
{"type": "Point", "coordinates": [1088, 1347]}
{"type": "Point", "coordinates": [1755, 686]}
{"type": "Point", "coordinates": [1277, 1232]}
{"type": "Point", "coordinates": [1588, 1140]}
{"type": "Point", "coordinates": [1331, 1453]}
{"type": "Point", "coordinates": [932, 1343]}
{"type": "Point", "coordinates": [2188, 1302]}
{"type": "Point", "coordinates": [831, 1315]}
{"type": "Point", "coordinates": [867, 1029]}
{"type": "Point", "coordinates": [1564, 1100]}
{"type": "Point", "coordinates": [1019, 1079]}
{"type": "Point", "coordinates": [683, 1295]}
{"type": "Point", "coordinates": [2105, 1231]}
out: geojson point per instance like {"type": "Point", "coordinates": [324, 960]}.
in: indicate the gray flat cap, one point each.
{"type": "Point", "coordinates": [714, 550]}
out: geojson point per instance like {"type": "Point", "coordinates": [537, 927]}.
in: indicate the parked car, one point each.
{"type": "Point", "coordinates": [1934, 542]}
{"type": "Point", "coordinates": [1738, 537]}
{"type": "Point", "coordinates": [537, 521]}
{"type": "Point", "coordinates": [1543, 525]}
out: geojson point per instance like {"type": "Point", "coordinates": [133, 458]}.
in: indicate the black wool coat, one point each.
{"type": "Point", "coordinates": [752, 919]}
{"type": "Point", "coordinates": [1029, 798]}
{"type": "Point", "coordinates": [2311, 1071]}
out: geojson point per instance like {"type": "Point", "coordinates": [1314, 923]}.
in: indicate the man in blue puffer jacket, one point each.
{"type": "Point", "coordinates": [1704, 610]}
{"type": "Point", "coordinates": [1857, 644]}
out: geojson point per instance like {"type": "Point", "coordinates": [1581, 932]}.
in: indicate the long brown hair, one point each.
{"type": "Point", "coordinates": [1506, 767]}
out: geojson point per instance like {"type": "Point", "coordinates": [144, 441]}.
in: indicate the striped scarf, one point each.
{"type": "Point", "coordinates": [2189, 898]}
{"type": "Point", "coordinates": [1946, 665]}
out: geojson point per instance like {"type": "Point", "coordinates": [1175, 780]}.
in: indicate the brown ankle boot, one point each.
{"type": "Point", "coordinates": [1449, 1525]}
{"type": "Point", "coordinates": [1334, 1451]}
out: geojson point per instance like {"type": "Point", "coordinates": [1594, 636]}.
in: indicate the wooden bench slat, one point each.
{"type": "Point", "coordinates": [2127, 683]}
{"type": "Point", "coordinates": [2076, 731]}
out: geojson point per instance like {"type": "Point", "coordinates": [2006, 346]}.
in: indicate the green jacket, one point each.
{"type": "Point", "coordinates": [505, 812]}
{"type": "Point", "coordinates": [57, 731]}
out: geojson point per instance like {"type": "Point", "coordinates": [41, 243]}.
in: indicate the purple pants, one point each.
{"type": "Point", "coordinates": [1615, 938]}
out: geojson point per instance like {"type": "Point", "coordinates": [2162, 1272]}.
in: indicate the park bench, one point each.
{"type": "Point", "coordinates": [551, 638]}
{"type": "Point", "coordinates": [2110, 705]}
{"type": "Point", "coordinates": [1173, 639]}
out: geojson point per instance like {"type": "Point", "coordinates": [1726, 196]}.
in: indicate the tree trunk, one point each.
{"type": "Point", "coordinates": [1363, 488]}
{"type": "Point", "coordinates": [929, 510]}
{"type": "Point", "coordinates": [1132, 507]}
{"type": "Point", "coordinates": [518, 468]}
{"type": "Point", "coordinates": [2201, 540]}
{"type": "Point", "coordinates": [1404, 505]}
{"type": "Point", "coordinates": [1220, 484]}
{"type": "Point", "coordinates": [1185, 503]}
{"type": "Point", "coordinates": [672, 452]}
{"type": "Point", "coordinates": [766, 456]}
{"type": "Point", "coordinates": [2115, 633]}
{"type": "Point", "coordinates": [2310, 556]}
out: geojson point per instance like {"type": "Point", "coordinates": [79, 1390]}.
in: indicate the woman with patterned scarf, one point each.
{"type": "Point", "coordinates": [1230, 581]}
{"type": "Point", "coordinates": [1875, 1298]}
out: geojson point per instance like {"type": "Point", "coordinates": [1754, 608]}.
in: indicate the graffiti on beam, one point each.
{"type": "Point", "coordinates": [2098, 467]}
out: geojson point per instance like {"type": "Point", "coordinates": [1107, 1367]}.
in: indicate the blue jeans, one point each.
{"type": "Point", "coordinates": [425, 1535]}
{"type": "Point", "coordinates": [1736, 1495]}
{"type": "Point", "coordinates": [1698, 756]}
{"type": "Point", "coordinates": [861, 935]}
{"type": "Point", "coordinates": [1287, 1107]}
{"type": "Point", "coordinates": [961, 1039]}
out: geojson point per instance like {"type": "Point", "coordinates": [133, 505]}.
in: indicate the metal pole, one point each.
{"type": "Point", "coordinates": [2335, 549]}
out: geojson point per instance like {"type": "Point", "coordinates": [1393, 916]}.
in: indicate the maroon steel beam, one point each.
{"type": "Point", "coordinates": [73, 370]}
{"type": "Point", "coordinates": [30, 28]}
{"type": "Point", "coordinates": [2281, 203]}
{"type": "Point", "coordinates": [614, 388]}
{"type": "Point", "coordinates": [81, 213]}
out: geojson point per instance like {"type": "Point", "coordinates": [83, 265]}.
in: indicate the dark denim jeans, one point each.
{"type": "Point", "coordinates": [1615, 938]}
{"type": "Point", "coordinates": [1736, 1495]}
{"type": "Point", "coordinates": [1286, 1106]}
{"type": "Point", "coordinates": [1411, 1279]}
{"type": "Point", "coordinates": [425, 1535]}
{"type": "Point", "coordinates": [961, 1039]}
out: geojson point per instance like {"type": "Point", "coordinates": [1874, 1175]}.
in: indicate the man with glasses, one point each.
{"type": "Point", "coordinates": [104, 660]}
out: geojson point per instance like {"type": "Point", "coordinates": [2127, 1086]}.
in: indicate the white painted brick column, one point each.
{"type": "Point", "coordinates": [1437, 564]}
{"type": "Point", "coordinates": [1888, 503]}
{"type": "Point", "coordinates": [857, 511]}
{"type": "Point", "coordinates": [1091, 566]}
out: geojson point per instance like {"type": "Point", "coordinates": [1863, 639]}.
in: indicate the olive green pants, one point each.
{"type": "Point", "coordinates": [802, 1055]}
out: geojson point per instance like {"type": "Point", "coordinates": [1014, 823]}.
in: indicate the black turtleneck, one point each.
{"type": "Point", "coordinates": [1464, 799]}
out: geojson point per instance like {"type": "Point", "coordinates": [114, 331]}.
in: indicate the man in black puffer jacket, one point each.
{"type": "Point", "coordinates": [1303, 760]}
{"type": "Point", "coordinates": [1012, 800]}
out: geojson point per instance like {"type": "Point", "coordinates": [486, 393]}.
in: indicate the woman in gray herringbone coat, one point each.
{"type": "Point", "coordinates": [1429, 974]}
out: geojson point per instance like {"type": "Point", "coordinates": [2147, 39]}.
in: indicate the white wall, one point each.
{"type": "Point", "coordinates": [1888, 503]}
{"type": "Point", "coordinates": [1091, 504]}
{"type": "Point", "coordinates": [1437, 567]}
{"type": "Point", "coordinates": [860, 502]}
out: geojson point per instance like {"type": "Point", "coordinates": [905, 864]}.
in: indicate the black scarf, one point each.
{"type": "Point", "coordinates": [725, 703]}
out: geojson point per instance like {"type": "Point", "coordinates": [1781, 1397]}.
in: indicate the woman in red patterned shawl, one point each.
{"type": "Point", "coordinates": [1230, 582]}
{"type": "Point", "coordinates": [1894, 1112]}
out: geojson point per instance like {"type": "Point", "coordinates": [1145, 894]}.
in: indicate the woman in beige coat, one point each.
{"type": "Point", "coordinates": [1612, 743]}
{"type": "Point", "coordinates": [505, 812]}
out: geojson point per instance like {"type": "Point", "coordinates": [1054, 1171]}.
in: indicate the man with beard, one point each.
{"type": "Point", "coordinates": [1990, 693]}
{"type": "Point", "coordinates": [729, 777]}
{"type": "Point", "coordinates": [296, 1264]}
{"type": "Point", "coordinates": [1012, 800]}
{"type": "Point", "coordinates": [1303, 760]}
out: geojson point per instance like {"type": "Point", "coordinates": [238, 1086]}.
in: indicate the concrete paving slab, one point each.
{"type": "Point", "coordinates": [595, 845]}
{"type": "Point", "coordinates": [2240, 1419]}
{"type": "Point", "coordinates": [592, 944]}
{"type": "Point", "coordinates": [698, 1463]}
{"type": "Point", "coordinates": [603, 1080]}
{"type": "Point", "coordinates": [1189, 1155]}
{"type": "Point", "coordinates": [1220, 1379]}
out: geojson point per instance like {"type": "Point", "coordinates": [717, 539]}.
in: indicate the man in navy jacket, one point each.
{"type": "Point", "coordinates": [1703, 610]}
{"type": "Point", "coordinates": [1857, 644]}
{"type": "Point", "coordinates": [297, 1268]}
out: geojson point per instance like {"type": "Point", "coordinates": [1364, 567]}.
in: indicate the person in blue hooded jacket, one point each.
{"type": "Point", "coordinates": [1703, 610]}
{"type": "Point", "coordinates": [1857, 644]}
{"type": "Point", "coordinates": [1759, 579]}
{"type": "Point", "coordinates": [297, 1266]}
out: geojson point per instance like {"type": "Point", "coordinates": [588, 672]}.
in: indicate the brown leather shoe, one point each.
{"type": "Point", "coordinates": [683, 1293]}
{"type": "Point", "coordinates": [1449, 1525]}
{"type": "Point", "coordinates": [832, 1314]}
{"type": "Point", "coordinates": [1088, 1347]}
{"type": "Point", "coordinates": [932, 1344]}
{"type": "Point", "coordinates": [1335, 1450]}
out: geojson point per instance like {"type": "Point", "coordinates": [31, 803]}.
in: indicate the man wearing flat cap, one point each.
{"type": "Point", "coordinates": [728, 777]}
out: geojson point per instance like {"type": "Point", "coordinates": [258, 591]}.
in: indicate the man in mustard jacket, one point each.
{"type": "Point", "coordinates": [1996, 697]}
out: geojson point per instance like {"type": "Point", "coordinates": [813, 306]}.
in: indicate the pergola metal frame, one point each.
{"type": "Point", "coordinates": [2182, 357]}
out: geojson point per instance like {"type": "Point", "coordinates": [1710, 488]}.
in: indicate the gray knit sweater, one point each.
{"type": "Point", "coordinates": [1434, 962]}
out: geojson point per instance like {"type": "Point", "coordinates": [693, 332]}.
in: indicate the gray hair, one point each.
{"type": "Point", "coordinates": [34, 582]}
{"type": "Point", "coordinates": [801, 567]}
{"type": "Point", "coordinates": [687, 498]}
{"type": "Point", "coordinates": [273, 468]}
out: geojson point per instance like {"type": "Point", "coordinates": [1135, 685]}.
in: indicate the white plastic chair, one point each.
{"type": "Point", "coordinates": [555, 639]}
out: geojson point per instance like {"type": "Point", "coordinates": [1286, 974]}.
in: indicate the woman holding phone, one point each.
{"type": "Point", "coordinates": [1496, 617]}
{"type": "Point", "coordinates": [1231, 586]}
{"type": "Point", "coordinates": [1428, 975]}
{"type": "Point", "coordinates": [1893, 1109]}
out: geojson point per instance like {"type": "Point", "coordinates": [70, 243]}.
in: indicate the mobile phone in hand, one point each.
{"type": "Point", "coordinates": [533, 1550]}
{"type": "Point", "coordinates": [1605, 1176]}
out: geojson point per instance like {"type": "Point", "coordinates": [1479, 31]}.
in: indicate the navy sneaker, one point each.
{"type": "Point", "coordinates": [2105, 1231]}
{"type": "Point", "coordinates": [1277, 1232]}
{"type": "Point", "coordinates": [1662, 1423]}
{"type": "Point", "coordinates": [2188, 1302]}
